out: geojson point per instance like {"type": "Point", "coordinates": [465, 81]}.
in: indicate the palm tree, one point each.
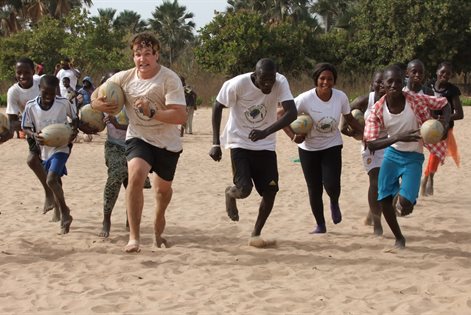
{"type": "Point", "coordinates": [175, 32]}
{"type": "Point", "coordinates": [14, 14]}
{"type": "Point", "coordinates": [105, 16]}
{"type": "Point", "coordinates": [130, 21]}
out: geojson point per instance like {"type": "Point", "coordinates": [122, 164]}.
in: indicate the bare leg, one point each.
{"type": "Point", "coordinates": [266, 205]}
{"type": "Point", "coordinates": [429, 186]}
{"type": "Point", "coordinates": [137, 172]}
{"type": "Point", "coordinates": [375, 210]}
{"type": "Point", "coordinates": [34, 163]}
{"type": "Point", "coordinates": [390, 216]}
{"type": "Point", "coordinates": [423, 186]}
{"type": "Point", "coordinates": [163, 195]}
{"type": "Point", "coordinates": [55, 184]}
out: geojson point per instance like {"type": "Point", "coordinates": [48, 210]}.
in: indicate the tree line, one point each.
{"type": "Point", "coordinates": [355, 35]}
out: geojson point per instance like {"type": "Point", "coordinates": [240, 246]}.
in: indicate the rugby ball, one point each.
{"type": "Point", "coordinates": [302, 124]}
{"type": "Point", "coordinates": [4, 123]}
{"type": "Point", "coordinates": [56, 135]}
{"type": "Point", "coordinates": [113, 94]}
{"type": "Point", "coordinates": [93, 118]}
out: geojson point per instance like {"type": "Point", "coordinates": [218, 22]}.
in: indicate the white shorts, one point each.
{"type": "Point", "coordinates": [371, 161]}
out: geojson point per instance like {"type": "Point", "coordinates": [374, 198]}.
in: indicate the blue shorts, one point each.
{"type": "Point", "coordinates": [403, 166]}
{"type": "Point", "coordinates": [56, 163]}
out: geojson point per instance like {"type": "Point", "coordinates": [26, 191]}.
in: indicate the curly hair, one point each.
{"type": "Point", "coordinates": [143, 40]}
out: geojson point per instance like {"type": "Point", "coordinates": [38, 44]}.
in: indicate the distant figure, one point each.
{"type": "Point", "coordinates": [252, 99]}
{"type": "Point", "coordinates": [84, 94]}
{"type": "Point", "coordinates": [190, 98]}
{"type": "Point", "coordinates": [66, 69]}
{"type": "Point", "coordinates": [442, 87]}
{"type": "Point", "coordinates": [41, 112]}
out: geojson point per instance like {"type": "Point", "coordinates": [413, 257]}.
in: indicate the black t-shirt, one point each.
{"type": "Point", "coordinates": [450, 92]}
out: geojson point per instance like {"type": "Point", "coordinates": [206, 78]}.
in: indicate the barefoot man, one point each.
{"type": "Point", "coordinates": [155, 105]}
{"type": "Point", "coordinates": [252, 99]}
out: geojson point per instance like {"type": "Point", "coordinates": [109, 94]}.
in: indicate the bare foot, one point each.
{"type": "Point", "coordinates": [132, 247]}
{"type": "Point", "coordinates": [48, 204]}
{"type": "Point", "coordinates": [231, 206]}
{"type": "Point", "coordinates": [257, 241]}
{"type": "Point", "coordinates": [105, 230]}
{"type": "Point", "coordinates": [369, 219]}
{"type": "Point", "coordinates": [65, 226]}
{"type": "Point", "coordinates": [159, 241]}
{"type": "Point", "coordinates": [56, 215]}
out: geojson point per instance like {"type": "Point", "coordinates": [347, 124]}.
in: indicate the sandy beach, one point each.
{"type": "Point", "coordinates": [210, 269]}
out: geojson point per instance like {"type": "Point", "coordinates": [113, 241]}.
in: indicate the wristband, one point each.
{"type": "Point", "coordinates": [294, 137]}
{"type": "Point", "coordinates": [216, 145]}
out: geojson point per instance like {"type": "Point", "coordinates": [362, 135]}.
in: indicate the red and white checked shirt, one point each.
{"type": "Point", "coordinates": [421, 106]}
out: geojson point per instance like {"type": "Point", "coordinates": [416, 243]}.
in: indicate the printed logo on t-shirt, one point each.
{"type": "Point", "coordinates": [326, 124]}
{"type": "Point", "coordinates": [256, 113]}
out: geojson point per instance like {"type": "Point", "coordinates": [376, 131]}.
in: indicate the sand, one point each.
{"type": "Point", "coordinates": [210, 269]}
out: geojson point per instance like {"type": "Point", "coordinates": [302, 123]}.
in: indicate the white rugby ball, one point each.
{"type": "Point", "coordinates": [56, 135]}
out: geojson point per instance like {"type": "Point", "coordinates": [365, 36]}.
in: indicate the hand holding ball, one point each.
{"type": "Point", "coordinates": [302, 124]}
{"type": "Point", "coordinates": [432, 131]}
{"type": "Point", "coordinates": [113, 94]}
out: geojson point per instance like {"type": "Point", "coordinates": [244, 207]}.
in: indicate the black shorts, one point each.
{"type": "Point", "coordinates": [162, 162]}
{"type": "Point", "coordinates": [259, 166]}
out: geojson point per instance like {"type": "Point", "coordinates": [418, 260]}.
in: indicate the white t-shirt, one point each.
{"type": "Point", "coordinates": [17, 97]}
{"type": "Point", "coordinates": [37, 118]}
{"type": "Point", "coordinates": [396, 123]}
{"type": "Point", "coordinates": [250, 108]}
{"type": "Point", "coordinates": [325, 131]}
{"type": "Point", "coordinates": [165, 88]}
{"type": "Point", "coordinates": [73, 80]}
{"type": "Point", "coordinates": [115, 135]}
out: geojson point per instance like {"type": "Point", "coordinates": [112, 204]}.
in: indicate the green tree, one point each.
{"type": "Point", "coordinates": [174, 27]}
{"type": "Point", "coordinates": [130, 21]}
{"type": "Point", "coordinates": [388, 31]}
{"type": "Point", "coordinates": [233, 42]}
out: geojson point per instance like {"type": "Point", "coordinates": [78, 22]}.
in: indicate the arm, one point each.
{"type": "Point", "coordinates": [381, 143]}
{"type": "Point", "coordinates": [110, 119]}
{"type": "Point", "coordinates": [100, 103]}
{"type": "Point", "coordinates": [172, 114]}
{"type": "Point", "coordinates": [215, 153]}
{"type": "Point", "coordinates": [458, 113]}
{"type": "Point", "coordinates": [289, 115]}
{"type": "Point", "coordinates": [361, 103]}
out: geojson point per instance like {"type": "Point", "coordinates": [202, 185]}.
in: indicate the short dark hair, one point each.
{"type": "Point", "coordinates": [146, 40]}
{"type": "Point", "coordinates": [265, 65]}
{"type": "Point", "coordinates": [321, 67]}
{"type": "Point", "coordinates": [49, 80]}
{"type": "Point", "coordinates": [415, 62]}
{"type": "Point", "coordinates": [396, 68]}
{"type": "Point", "coordinates": [27, 61]}
{"type": "Point", "coordinates": [445, 64]}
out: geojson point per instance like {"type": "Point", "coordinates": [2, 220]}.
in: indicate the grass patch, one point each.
{"type": "Point", "coordinates": [3, 100]}
{"type": "Point", "coordinates": [465, 101]}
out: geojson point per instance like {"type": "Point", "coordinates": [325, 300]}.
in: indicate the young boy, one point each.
{"type": "Point", "coordinates": [71, 94]}
{"type": "Point", "coordinates": [40, 112]}
{"type": "Point", "coordinates": [25, 89]}
{"type": "Point", "coordinates": [401, 114]}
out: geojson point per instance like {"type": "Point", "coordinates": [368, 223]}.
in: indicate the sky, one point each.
{"type": "Point", "coordinates": [203, 10]}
